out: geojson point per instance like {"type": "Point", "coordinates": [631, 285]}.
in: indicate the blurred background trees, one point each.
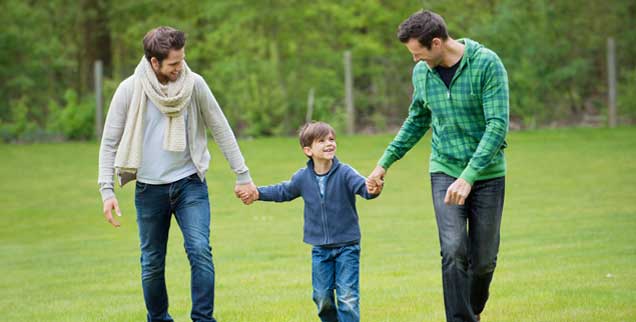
{"type": "Point", "coordinates": [261, 58]}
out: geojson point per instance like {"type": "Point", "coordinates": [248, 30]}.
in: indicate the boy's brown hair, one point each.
{"type": "Point", "coordinates": [313, 131]}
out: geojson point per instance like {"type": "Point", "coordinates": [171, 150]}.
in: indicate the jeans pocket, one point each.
{"type": "Point", "coordinates": [495, 185]}
{"type": "Point", "coordinates": [440, 182]}
{"type": "Point", "coordinates": [353, 249]}
{"type": "Point", "coordinates": [194, 178]}
{"type": "Point", "coordinates": [140, 187]}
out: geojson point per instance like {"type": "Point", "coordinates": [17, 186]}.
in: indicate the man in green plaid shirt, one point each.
{"type": "Point", "coordinates": [461, 94]}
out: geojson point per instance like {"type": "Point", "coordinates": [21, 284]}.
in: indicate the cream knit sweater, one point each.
{"type": "Point", "coordinates": [204, 112]}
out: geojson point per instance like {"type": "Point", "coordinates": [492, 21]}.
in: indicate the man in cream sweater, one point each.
{"type": "Point", "coordinates": [155, 132]}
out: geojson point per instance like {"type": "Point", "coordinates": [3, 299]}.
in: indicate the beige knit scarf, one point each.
{"type": "Point", "coordinates": [171, 99]}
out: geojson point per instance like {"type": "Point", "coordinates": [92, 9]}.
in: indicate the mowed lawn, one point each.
{"type": "Point", "coordinates": [568, 249]}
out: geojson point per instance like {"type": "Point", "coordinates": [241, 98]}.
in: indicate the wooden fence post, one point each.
{"type": "Point", "coordinates": [611, 82]}
{"type": "Point", "coordinates": [310, 106]}
{"type": "Point", "coordinates": [99, 109]}
{"type": "Point", "coordinates": [351, 117]}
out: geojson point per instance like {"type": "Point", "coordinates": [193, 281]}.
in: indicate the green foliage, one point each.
{"type": "Point", "coordinates": [19, 127]}
{"type": "Point", "coordinates": [261, 58]}
{"type": "Point", "coordinates": [75, 120]}
{"type": "Point", "coordinates": [38, 54]}
{"type": "Point", "coordinates": [627, 95]}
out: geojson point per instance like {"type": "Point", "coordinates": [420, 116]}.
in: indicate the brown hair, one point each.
{"type": "Point", "coordinates": [312, 131]}
{"type": "Point", "coordinates": [159, 41]}
{"type": "Point", "coordinates": [423, 25]}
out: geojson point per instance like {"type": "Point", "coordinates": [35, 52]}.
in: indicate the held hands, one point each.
{"type": "Point", "coordinates": [109, 205]}
{"type": "Point", "coordinates": [374, 186]}
{"type": "Point", "coordinates": [246, 192]}
{"type": "Point", "coordinates": [457, 192]}
{"type": "Point", "coordinates": [375, 181]}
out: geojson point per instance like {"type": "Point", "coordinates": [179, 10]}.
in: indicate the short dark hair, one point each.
{"type": "Point", "coordinates": [423, 25]}
{"type": "Point", "coordinates": [159, 41]}
{"type": "Point", "coordinates": [312, 131]}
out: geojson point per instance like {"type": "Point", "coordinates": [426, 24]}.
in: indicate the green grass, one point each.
{"type": "Point", "coordinates": [569, 222]}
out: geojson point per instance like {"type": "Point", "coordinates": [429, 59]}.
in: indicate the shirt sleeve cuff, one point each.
{"type": "Point", "coordinates": [107, 193]}
{"type": "Point", "coordinates": [386, 160]}
{"type": "Point", "coordinates": [469, 174]}
{"type": "Point", "coordinates": [243, 178]}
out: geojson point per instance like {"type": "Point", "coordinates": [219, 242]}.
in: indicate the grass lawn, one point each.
{"type": "Point", "coordinates": [568, 250]}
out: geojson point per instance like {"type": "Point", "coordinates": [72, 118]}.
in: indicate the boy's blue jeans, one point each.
{"type": "Point", "coordinates": [188, 200]}
{"type": "Point", "coordinates": [469, 241]}
{"type": "Point", "coordinates": [336, 269]}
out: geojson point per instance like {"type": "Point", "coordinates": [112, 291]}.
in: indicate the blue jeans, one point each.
{"type": "Point", "coordinates": [469, 241]}
{"type": "Point", "coordinates": [188, 200]}
{"type": "Point", "coordinates": [336, 269]}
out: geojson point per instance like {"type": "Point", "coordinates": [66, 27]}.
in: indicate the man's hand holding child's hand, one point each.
{"type": "Point", "coordinates": [375, 181]}
{"type": "Point", "coordinates": [246, 192]}
{"type": "Point", "coordinates": [374, 185]}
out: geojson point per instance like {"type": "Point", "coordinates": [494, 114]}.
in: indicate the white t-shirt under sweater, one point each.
{"type": "Point", "coordinates": [159, 166]}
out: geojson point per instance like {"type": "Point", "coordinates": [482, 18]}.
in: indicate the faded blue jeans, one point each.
{"type": "Point", "coordinates": [469, 241]}
{"type": "Point", "coordinates": [188, 200]}
{"type": "Point", "coordinates": [336, 269]}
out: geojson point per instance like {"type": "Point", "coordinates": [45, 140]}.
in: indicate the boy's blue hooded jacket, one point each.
{"type": "Point", "coordinates": [329, 220]}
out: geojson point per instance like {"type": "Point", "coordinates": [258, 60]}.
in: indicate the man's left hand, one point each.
{"type": "Point", "coordinates": [247, 192]}
{"type": "Point", "coordinates": [457, 192]}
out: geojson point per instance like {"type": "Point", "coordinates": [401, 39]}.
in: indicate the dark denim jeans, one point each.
{"type": "Point", "coordinates": [336, 269]}
{"type": "Point", "coordinates": [469, 240]}
{"type": "Point", "coordinates": [188, 200]}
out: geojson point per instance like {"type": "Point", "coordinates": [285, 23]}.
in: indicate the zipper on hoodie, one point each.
{"type": "Point", "coordinates": [456, 75]}
{"type": "Point", "coordinates": [323, 213]}
{"type": "Point", "coordinates": [448, 91]}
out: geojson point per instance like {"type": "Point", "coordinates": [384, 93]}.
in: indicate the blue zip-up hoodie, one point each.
{"type": "Point", "coordinates": [329, 220]}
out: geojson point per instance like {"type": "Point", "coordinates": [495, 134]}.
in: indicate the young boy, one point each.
{"type": "Point", "coordinates": [328, 189]}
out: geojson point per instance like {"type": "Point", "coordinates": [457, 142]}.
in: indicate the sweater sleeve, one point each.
{"type": "Point", "coordinates": [113, 130]}
{"type": "Point", "coordinates": [496, 110]}
{"type": "Point", "coordinates": [415, 125]}
{"type": "Point", "coordinates": [284, 191]}
{"type": "Point", "coordinates": [356, 183]}
{"type": "Point", "coordinates": [216, 121]}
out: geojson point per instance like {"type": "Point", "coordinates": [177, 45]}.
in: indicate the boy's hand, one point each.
{"type": "Point", "coordinates": [247, 198]}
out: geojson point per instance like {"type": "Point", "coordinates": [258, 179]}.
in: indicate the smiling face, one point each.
{"type": "Point", "coordinates": [169, 69]}
{"type": "Point", "coordinates": [432, 56]}
{"type": "Point", "coordinates": [322, 149]}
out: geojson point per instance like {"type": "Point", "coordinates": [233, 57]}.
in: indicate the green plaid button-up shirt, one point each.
{"type": "Point", "coordinates": [469, 120]}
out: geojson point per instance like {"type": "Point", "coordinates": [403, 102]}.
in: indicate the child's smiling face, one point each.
{"type": "Point", "coordinates": [323, 148]}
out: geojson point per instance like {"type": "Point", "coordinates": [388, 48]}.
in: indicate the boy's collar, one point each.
{"type": "Point", "coordinates": [334, 165]}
